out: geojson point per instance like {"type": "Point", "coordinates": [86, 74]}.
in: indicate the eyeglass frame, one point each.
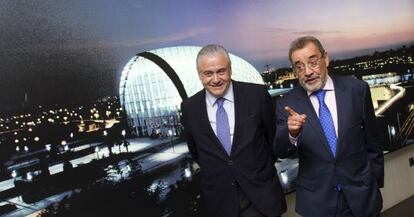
{"type": "Point", "coordinates": [311, 64]}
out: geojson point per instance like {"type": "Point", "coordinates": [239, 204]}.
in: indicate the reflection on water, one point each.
{"type": "Point", "coordinates": [287, 171]}
{"type": "Point", "coordinates": [170, 190]}
{"type": "Point", "coordinates": [396, 123]}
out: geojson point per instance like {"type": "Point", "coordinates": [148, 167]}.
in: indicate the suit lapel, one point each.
{"type": "Point", "coordinates": [340, 96]}
{"type": "Point", "coordinates": [237, 93]}
{"type": "Point", "coordinates": [313, 120]}
{"type": "Point", "coordinates": [205, 123]}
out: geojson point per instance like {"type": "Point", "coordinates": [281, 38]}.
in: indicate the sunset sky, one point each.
{"type": "Point", "coordinates": [45, 41]}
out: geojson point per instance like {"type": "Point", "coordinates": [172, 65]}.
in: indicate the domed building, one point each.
{"type": "Point", "coordinates": [154, 83]}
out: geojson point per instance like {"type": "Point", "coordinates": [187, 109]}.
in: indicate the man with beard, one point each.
{"type": "Point", "coordinates": [330, 122]}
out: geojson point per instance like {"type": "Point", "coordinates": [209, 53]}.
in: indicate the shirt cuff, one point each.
{"type": "Point", "coordinates": [294, 140]}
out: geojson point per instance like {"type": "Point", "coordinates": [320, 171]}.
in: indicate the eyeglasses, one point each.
{"type": "Point", "coordinates": [314, 63]}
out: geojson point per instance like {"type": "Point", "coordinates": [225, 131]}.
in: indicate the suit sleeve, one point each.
{"type": "Point", "coordinates": [268, 118]}
{"type": "Point", "coordinates": [187, 134]}
{"type": "Point", "coordinates": [282, 147]}
{"type": "Point", "coordinates": [374, 148]}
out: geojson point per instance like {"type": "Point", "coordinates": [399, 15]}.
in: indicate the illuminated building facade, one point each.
{"type": "Point", "coordinates": [154, 83]}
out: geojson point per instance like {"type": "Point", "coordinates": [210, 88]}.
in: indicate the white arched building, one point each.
{"type": "Point", "coordinates": [154, 83]}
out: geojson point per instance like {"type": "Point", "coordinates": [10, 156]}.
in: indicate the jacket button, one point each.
{"type": "Point", "coordinates": [230, 163]}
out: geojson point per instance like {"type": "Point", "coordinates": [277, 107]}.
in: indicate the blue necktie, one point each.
{"type": "Point", "coordinates": [327, 123]}
{"type": "Point", "coordinates": [222, 126]}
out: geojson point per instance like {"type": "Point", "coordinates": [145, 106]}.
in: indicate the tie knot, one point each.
{"type": "Point", "coordinates": [220, 102]}
{"type": "Point", "coordinates": [320, 94]}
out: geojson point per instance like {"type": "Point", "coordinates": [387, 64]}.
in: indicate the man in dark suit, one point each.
{"type": "Point", "coordinates": [330, 122]}
{"type": "Point", "coordinates": [229, 128]}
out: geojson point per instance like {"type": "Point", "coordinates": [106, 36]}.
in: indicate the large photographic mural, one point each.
{"type": "Point", "coordinates": [90, 91]}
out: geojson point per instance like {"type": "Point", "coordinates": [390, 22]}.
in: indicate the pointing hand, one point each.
{"type": "Point", "coordinates": [295, 121]}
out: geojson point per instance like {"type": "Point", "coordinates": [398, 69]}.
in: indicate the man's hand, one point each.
{"type": "Point", "coordinates": [295, 121]}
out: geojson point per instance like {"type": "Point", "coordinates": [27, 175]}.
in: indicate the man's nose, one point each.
{"type": "Point", "coordinates": [215, 78]}
{"type": "Point", "coordinates": [308, 70]}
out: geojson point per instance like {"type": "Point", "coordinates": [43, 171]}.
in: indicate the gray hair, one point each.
{"type": "Point", "coordinates": [301, 42]}
{"type": "Point", "coordinates": [210, 50]}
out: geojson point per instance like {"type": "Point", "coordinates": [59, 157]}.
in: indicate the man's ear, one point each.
{"type": "Point", "coordinates": [326, 59]}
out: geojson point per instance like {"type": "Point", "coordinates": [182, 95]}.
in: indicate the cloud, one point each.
{"type": "Point", "coordinates": [316, 32]}
{"type": "Point", "coordinates": [137, 5]}
{"type": "Point", "coordinates": [254, 30]}
{"type": "Point", "coordinates": [168, 38]}
{"type": "Point", "coordinates": [141, 42]}
{"type": "Point", "coordinates": [274, 30]}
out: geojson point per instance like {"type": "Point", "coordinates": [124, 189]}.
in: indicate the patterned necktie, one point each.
{"type": "Point", "coordinates": [222, 126]}
{"type": "Point", "coordinates": [327, 123]}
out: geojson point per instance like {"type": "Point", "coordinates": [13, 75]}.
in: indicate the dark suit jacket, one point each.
{"type": "Point", "coordinates": [250, 166]}
{"type": "Point", "coordinates": [359, 165]}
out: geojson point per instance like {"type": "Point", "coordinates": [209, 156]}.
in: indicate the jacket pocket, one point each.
{"type": "Point", "coordinates": [367, 178]}
{"type": "Point", "coordinates": [305, 183]}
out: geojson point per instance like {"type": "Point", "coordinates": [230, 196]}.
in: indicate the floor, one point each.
{"type": "Point", "coordinates": [403, 209]}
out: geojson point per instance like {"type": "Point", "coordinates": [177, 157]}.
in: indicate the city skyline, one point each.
{"type": "Point", "coordinates": [54, 52]}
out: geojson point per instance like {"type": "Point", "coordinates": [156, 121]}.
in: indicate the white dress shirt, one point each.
{"type": "Point", "coordinates": [330, 101]}
{"type": "Point", "coordinates": [228, 105]}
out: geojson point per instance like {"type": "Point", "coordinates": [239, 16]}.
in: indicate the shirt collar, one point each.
{"type": "Point", "coordinates": [328, 86]}
{"type": "Point", "coordinates": [229, 96]}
